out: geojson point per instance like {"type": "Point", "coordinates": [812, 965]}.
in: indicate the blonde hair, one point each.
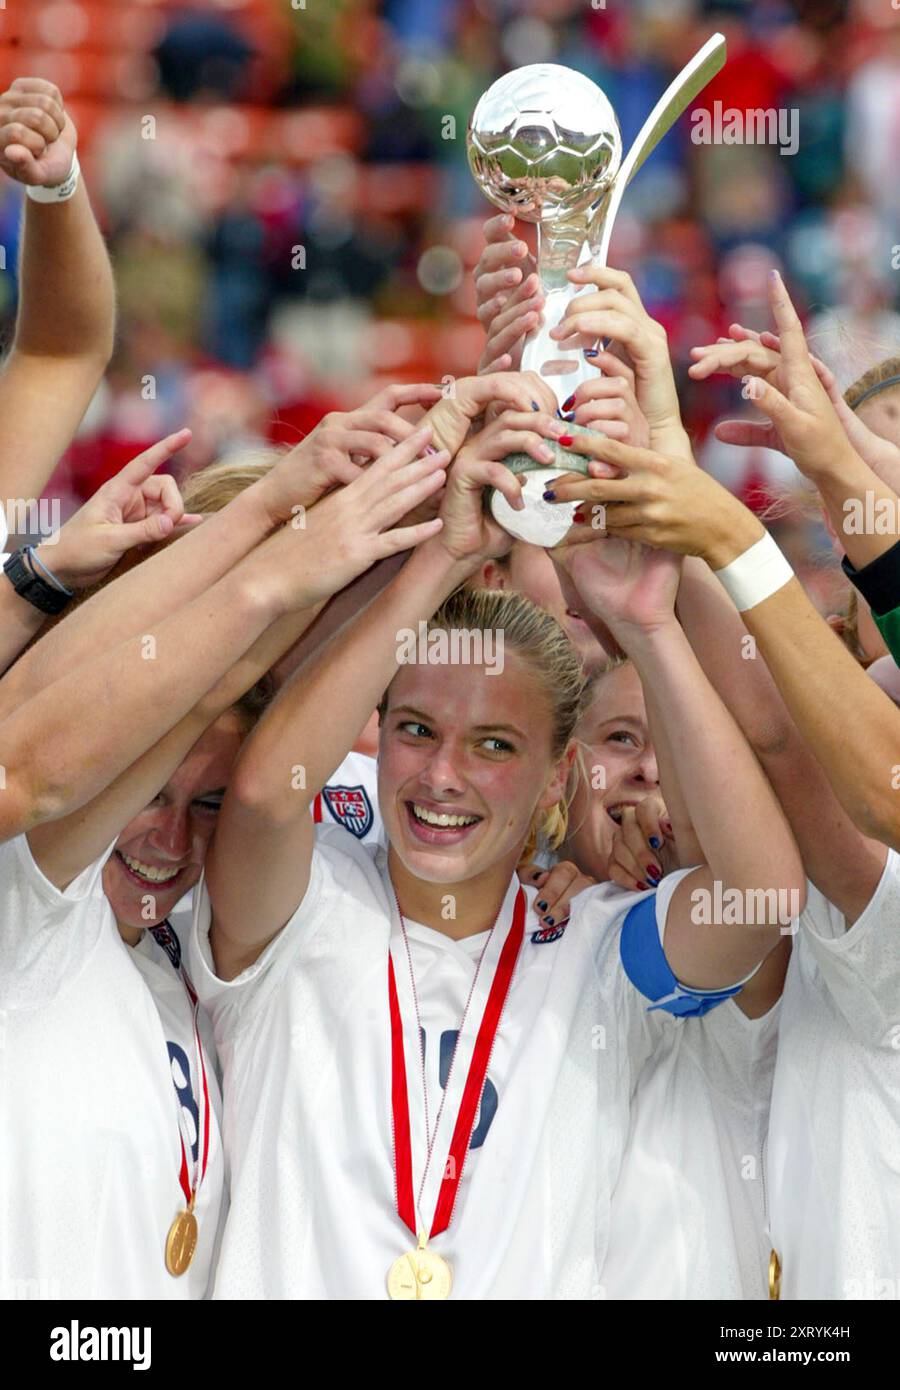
{"type": "Point", "coordinates": [881, 372]}
{"type": "Point", "coordinates": [537, 637]}
{"type": "Point", "coordinates": [212, 488]}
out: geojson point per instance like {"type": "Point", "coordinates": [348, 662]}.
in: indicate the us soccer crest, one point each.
{"type": "Point", "coordinates": [350, 807]}
{"type": "Point", "coordinates": [545, 935]}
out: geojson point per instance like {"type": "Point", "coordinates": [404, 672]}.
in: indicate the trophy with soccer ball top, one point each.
{"type": "Point", "coordinates": [544, 144]}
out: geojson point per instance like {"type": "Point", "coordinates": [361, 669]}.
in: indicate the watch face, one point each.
{"type": "Point", "coordinates": [540, 523]}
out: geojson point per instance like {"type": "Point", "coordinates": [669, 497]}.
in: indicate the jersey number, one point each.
{"type": "Point", "coordinates": [181, 1079]}
{"type": "Point", "coordinates": [489, 1098]}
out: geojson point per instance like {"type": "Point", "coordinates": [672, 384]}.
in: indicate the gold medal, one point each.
{"type": "Point", "coordinates": [420, 1273]}
{"type": "Point", "coordinates": [774, 1276]}
{"type": "Point", "coordinates": [181, 1242]}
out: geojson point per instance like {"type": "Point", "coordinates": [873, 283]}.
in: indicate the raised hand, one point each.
{"type": "Point", "coordinates": [332, 454]}
{"type": "Point", "coordinates": [616, 312]}
{"type": "Point", "coordinates": [470, 532]}
{"type": "Point", "coordinates": [137, 507]}
{"type": "Point", "coordinates": [452, 417]}
{"type": "Point", "coordinates": [322, 550]}
{"type": "Point", "coordinates": [37, 137]}
{"type": "Point", "coordinates": [760, 353]}
{"type": "Point", "coordinates": [623, 583]}
{"type": "Point", "coordinates": [608, 403]}
{"type": "Point", "coordinates": [794, 399]}
{"type": "Point", "coordinates": [507, 294]}
{"type": "Point", "coordinates": [659, 499]}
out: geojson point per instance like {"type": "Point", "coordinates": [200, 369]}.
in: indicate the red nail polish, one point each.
{"type": "Point", "coordinates": [565, 440]}
{"type": "Point", "coordinates": [567, 405]}
{"type": "Point", "coordinates": [578, 518]}
{"type": "Point", "coordinates": [640, 887]}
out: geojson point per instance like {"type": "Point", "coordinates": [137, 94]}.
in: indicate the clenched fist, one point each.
{"type": "Point", "coordinates": [37, 138]}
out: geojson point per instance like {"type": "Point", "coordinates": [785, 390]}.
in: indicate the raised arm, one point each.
{"type": "Point", "coordinates": [66, 320]}
{"type": "Point", "coordinates": [149, 689]}
{"type": "Point", "coordinates": [143, 596]}
{"type": "Point", "coordinates": [751, 857]}
{"type": "Point", "coordinates": [671, 503]}
{"type": "Point", "coordinates": [843, 863]}
{"type": "Point", "coordinates": [136, 507]}
{"type": "Point", "coordinates": [305, 734]}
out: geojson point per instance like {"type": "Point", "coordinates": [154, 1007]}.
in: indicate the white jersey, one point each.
{"type": "Point", "coordinates": [304, 1037]}
{"type": "Point", "coordinates": [834, 1140]}
{"type": "Point", "coordinates": [94, 1037]}
{"type": "Point", "coordinates": [689, 1212]}
{"type": "Point", "coordinates": [350, 799]}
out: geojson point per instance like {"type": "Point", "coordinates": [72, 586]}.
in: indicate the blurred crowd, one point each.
{"type": "Point", "coordinates": [292, 222]}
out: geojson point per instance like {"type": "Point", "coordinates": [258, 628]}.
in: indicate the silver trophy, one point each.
{"type": "Point", "coordinates": [544, 145]}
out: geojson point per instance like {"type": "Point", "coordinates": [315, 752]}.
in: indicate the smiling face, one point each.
{"type": "Point", "coordinates": [618, 756]}
{"type": "Point", "coordinates": [160, 853]}
{"type": "Point", "coordinates": [465, 759]}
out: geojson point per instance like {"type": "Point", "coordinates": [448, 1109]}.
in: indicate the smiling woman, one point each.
{"type": "Point", "coordinates": [391, 1035]}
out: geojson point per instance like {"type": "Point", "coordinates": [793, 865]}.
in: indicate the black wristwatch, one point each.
{"type": "Point", "coordinates": [31, 587]}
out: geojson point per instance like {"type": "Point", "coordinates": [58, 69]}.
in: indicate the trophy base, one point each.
{"type": "Point", "coordinates": [540, 523]}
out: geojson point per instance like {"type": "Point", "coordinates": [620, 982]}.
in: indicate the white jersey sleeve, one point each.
{"type": "Point", "coordinates": [634, 975]}
{"type": "Point", "coordinates": [47, 936]}
{"type": "Point", "coordinates": [861, 966]}
{"type": "Point", "coordinates": [342, 872]}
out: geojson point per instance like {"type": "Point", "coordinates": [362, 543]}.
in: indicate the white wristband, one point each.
{"type": "Point", "coordinates": [62, 192]}
{"type": "Point", "coordinates": [756, 575]}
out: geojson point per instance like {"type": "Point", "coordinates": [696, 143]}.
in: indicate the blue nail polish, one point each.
{"type": "Point", "coordinates": [542, 906]}
{"type": "Point", "coordinates": [550, 922]}
{"type": "Point", "coordinates": [591, 352]}
{"type": "Point", "coordinates": [655, 842]}
{"type": "Point", "coordinates": [535, 406]}
{"type": "Point", "coordinates": [549, 496]}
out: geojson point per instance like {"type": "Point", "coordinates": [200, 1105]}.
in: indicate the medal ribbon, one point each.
{"type": "Point", "coordinates": [165, 937]}
{"type": "Point", "coordinates": [472, 1091]}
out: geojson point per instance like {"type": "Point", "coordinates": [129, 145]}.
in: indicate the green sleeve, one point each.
{"type": "Point", "coordinates": [889, 627]}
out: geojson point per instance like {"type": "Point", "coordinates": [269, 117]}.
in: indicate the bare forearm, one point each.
{"type": "Point", "coordinates": [304, 727]}
{"type": "Point", "coordinates": [344, 607]}
{"type": "Point", "coordinates": [63, 341]}
{"type": "Point", "coordinates": [64, 847]}
{"type": "Point", "coordinates": [141, 598]}
{"type": "Point", "coordinates": [67, 294]}
{"type": "Point", "coordinates": [864, 511]}
{"type": "Point", "coordinates": [19, 621]}
{"type": "Point", "coordinates": [715, 767]}
{"type": "Point", "coordinates": [840, 860]}
{"type": "Point", "coordinates": [852, 727]}
{"type": "Point", "coordinates": [687, 845]}
{"type": "Point", "coordinates": [123, 702]}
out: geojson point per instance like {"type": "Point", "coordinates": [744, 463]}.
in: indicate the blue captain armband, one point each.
{"type": "Point", "coordinates": [645, 964]}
